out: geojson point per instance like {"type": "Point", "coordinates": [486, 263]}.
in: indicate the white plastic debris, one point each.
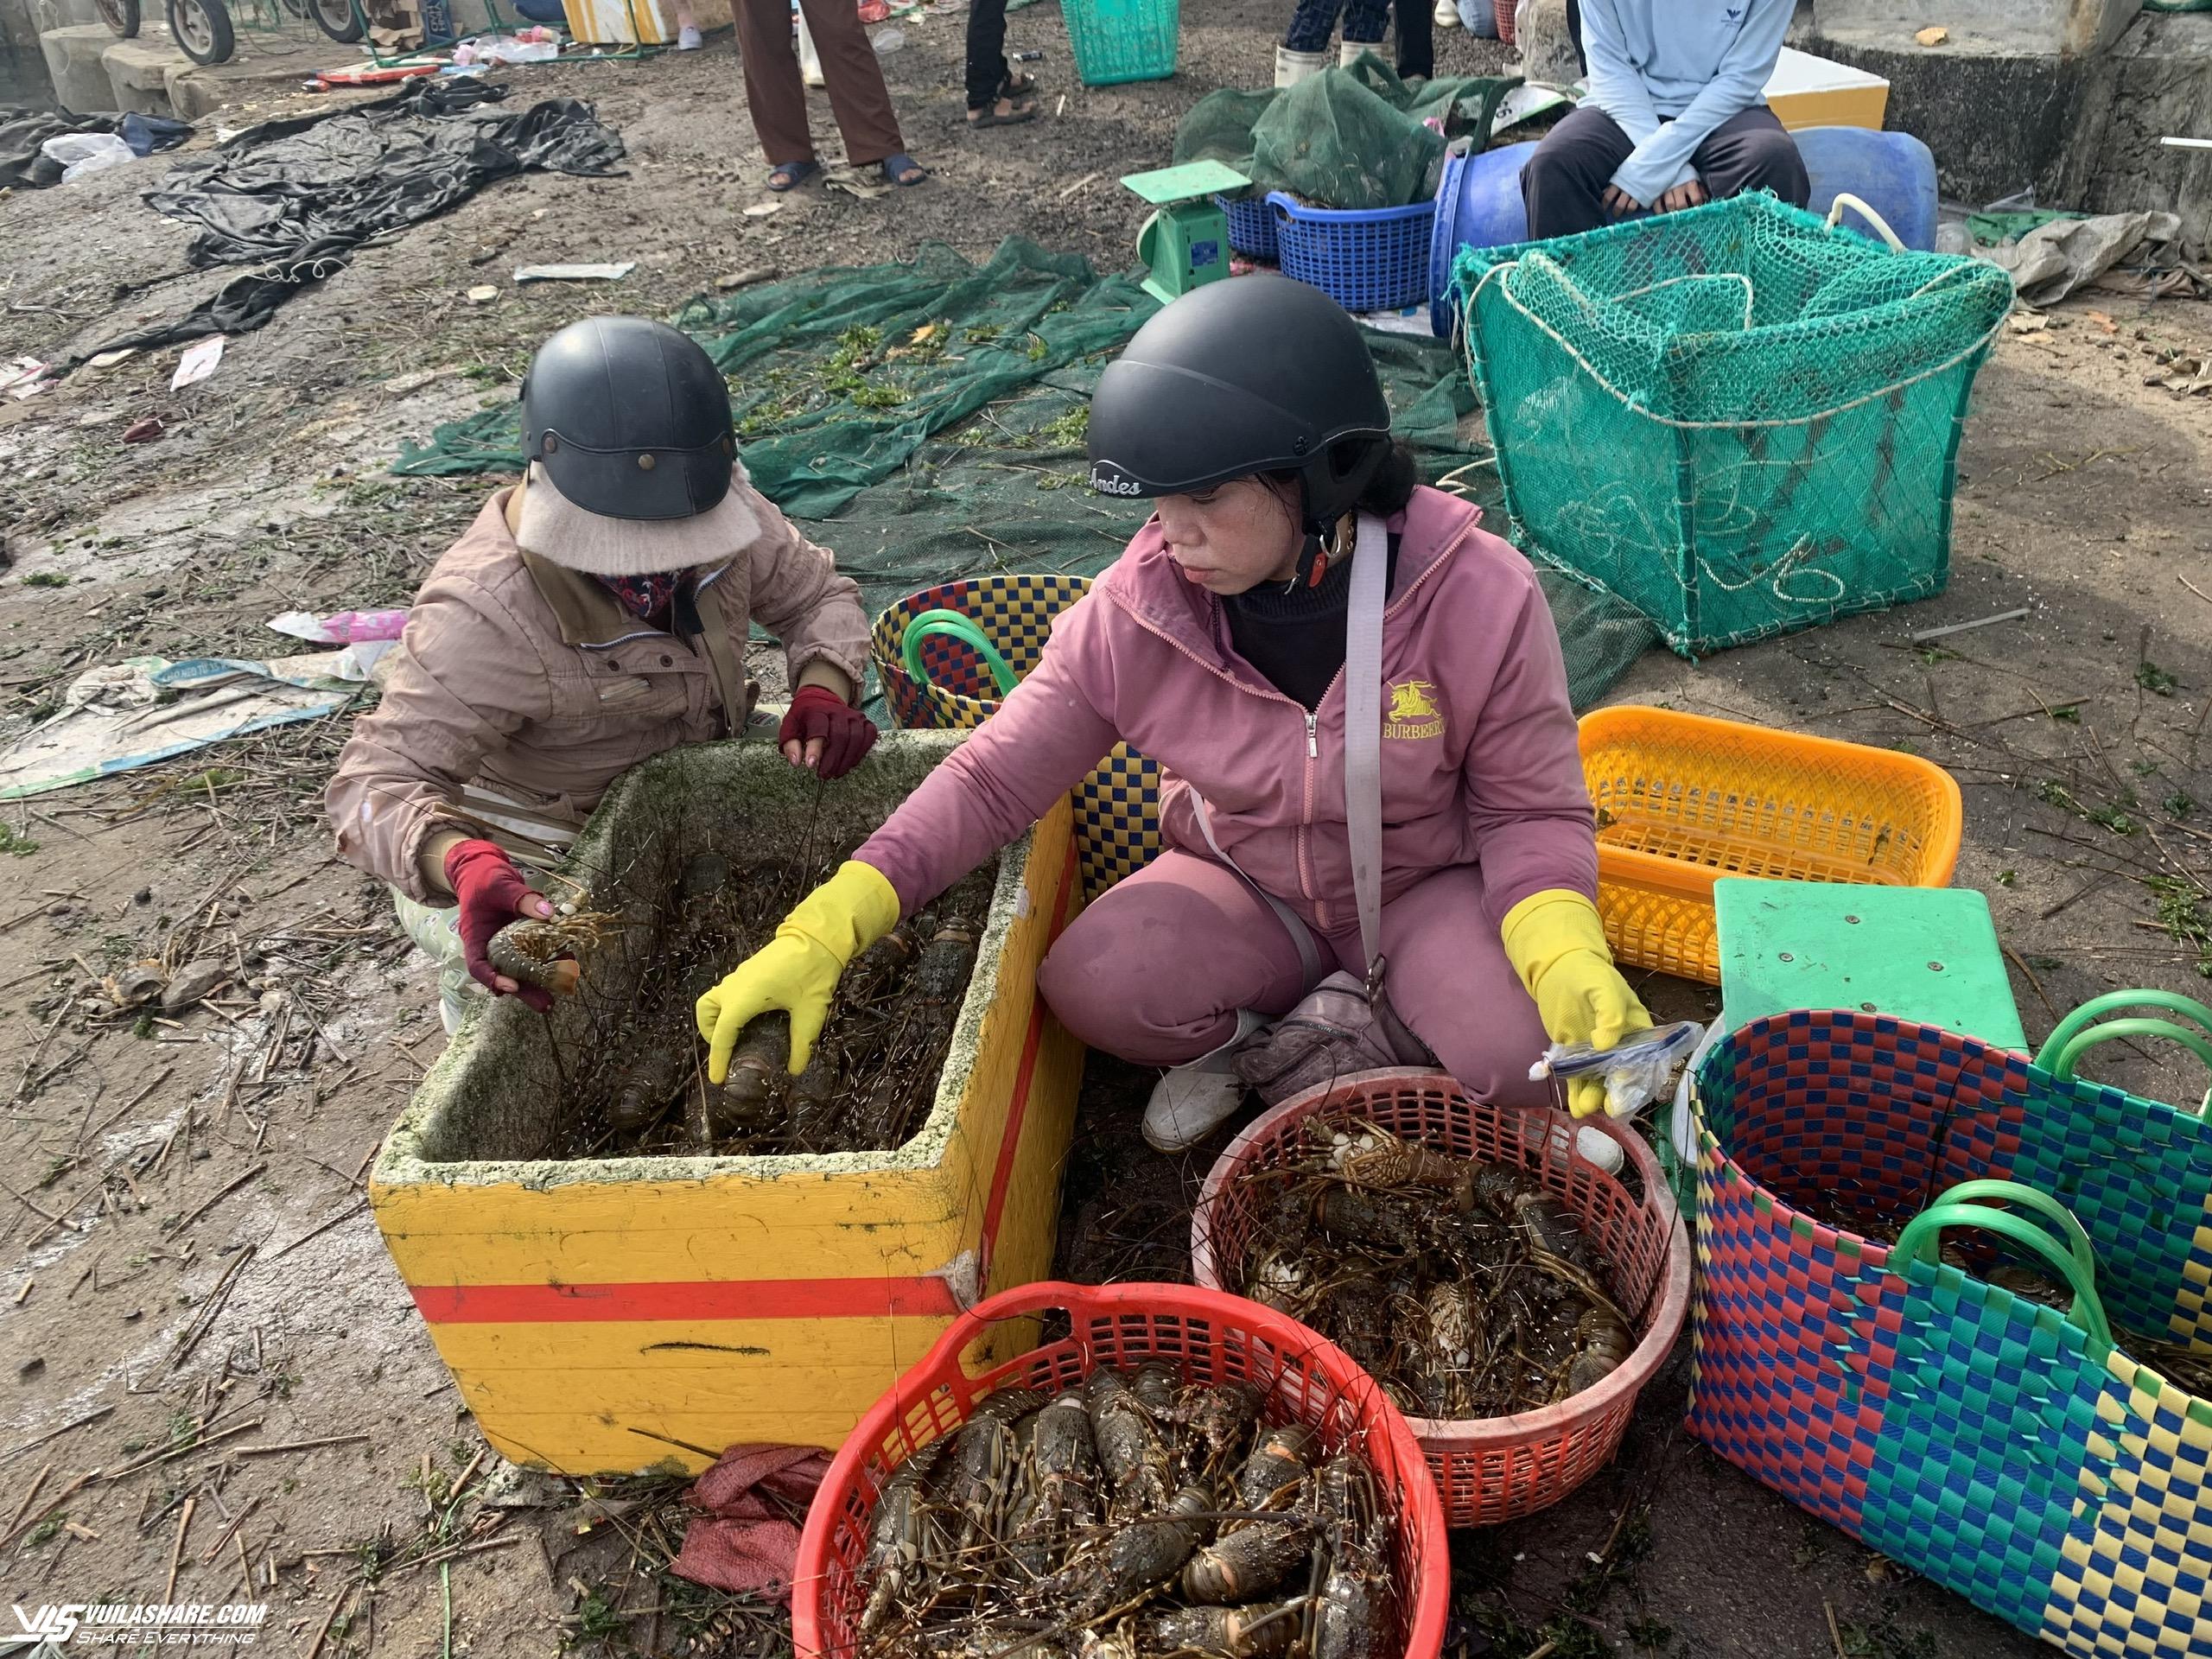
{"type": "Point", "coordinates": [83, 154]}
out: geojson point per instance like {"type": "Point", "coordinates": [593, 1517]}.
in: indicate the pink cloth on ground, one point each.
{"type": "Point", "coordinates": [740, 1543]}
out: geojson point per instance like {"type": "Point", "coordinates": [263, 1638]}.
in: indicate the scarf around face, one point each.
{"type": "Point", "coordinates": [645, 597]}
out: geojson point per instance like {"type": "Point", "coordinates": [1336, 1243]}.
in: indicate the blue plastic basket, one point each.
{"type": "Point", "coordinates": [1114, 40]}
{"type": "Point", "coordinates": [1372, 259]}
{"type": "Point", "coordinates": [1251, 225]}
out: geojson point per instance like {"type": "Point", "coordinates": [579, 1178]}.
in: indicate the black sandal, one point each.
{"type": "Point", "coordinates": [789, 175]}
{"type": "Point", "coordinates": [1013, 118]}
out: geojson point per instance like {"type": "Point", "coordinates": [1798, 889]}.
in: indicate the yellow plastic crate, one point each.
{"type": "Point", "coordinates": [1683, 799]}
{"type": "Point", "coordinates": [609, 1314]}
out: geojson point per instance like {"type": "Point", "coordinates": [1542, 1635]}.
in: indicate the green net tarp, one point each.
{"type": "Point", "coordinates": [1349, 138]}
{"type": "Point", "coordinates": [926, 421]}
{"type": "Point", "coordinates": [1737, 421]}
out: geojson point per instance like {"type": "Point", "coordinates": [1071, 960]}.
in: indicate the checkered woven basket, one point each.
{"type": "Point", "coordinates": [1117, 806]}
{"type": "Point", "coordinates": [2007, 1449]}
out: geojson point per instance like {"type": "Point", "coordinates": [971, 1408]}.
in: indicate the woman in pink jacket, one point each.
{"type": "Point", "coordinates": [1249, 412]}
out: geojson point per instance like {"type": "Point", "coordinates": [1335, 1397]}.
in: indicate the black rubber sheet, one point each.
{"type": "Point", "coordinates": [294, 198]}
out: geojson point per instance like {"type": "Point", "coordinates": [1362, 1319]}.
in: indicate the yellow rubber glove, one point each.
{"type": "Point", "coordinates": [1556, 944]}
{"type": "Point", "coordinates": [798, 969]}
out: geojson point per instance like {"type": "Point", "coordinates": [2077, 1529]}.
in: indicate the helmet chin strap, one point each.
{"type": "Point", "coordinates": [1315, 555]}
{"type": "Point", "coordinates": [1313, 558]}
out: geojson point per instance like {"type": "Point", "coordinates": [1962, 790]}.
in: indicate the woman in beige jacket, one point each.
{"type": "Point", "coordinates": [592, 615]}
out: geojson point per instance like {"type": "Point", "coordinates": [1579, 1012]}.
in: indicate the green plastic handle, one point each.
{"type": "Point", "coordinates": [2031, 1197]}
{"type": "Point", "coordinates": [956, 626]}
{"type": "Point", "coordinates": [2060, 1048]}
{"type": "Point", "coordinates": [1922, 1240]}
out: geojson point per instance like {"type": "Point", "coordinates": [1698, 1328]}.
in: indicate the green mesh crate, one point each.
{"type": "Point", "coordinates": [1735, 418]}
{"type": "Point", "coordinates": [1114, 40]}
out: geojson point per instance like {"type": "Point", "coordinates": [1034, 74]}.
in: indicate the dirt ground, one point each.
{"type": "Point", "coordinates": [185, 1250]}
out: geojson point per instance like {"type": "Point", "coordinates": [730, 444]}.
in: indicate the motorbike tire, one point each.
{"type": "Point", "coordinates": [347, 28]}
{"type": "Point", "coordinates": [121, 15]}
{"type": "Point", "coordinates": [202, 29]}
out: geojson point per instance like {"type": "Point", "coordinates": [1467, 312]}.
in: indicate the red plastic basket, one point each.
{"type": "Point", "coordinates": [1492, 1469]}
{"type": "Point", "coordinates": [1210, 1338]}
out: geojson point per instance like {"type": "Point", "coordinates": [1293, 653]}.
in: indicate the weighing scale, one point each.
{"type": "Point", "coordinates": [1185, 245]}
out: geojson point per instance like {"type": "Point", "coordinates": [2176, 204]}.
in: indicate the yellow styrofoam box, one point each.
{"type": "Point", "coordinates": [1809, 91]}
{"type": "Point", "coordinates": [610, 1315]}
{"type": "Point", "coordinates": [620, 23]}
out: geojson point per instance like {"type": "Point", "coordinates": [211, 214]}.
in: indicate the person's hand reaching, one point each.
{"type": "Point", "coordinates": [824, 733]}
{"type": "Point", "coordinates": [492, 892]}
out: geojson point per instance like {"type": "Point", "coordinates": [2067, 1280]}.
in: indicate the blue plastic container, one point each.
{"type": "Point", "coordinates": [1477, 206]}
{"type": "Point", "coordinates": [1365, 259]}
{"type": "Point", "coordinates": [1893, 173]}
{"type": "Point", "coordinates": [1251, 225]}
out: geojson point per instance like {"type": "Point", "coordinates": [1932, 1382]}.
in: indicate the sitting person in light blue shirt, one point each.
{"type": "Point", "coordinates": [1675, 116]}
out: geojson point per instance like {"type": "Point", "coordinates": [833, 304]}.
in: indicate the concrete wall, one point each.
{"type": "Point", "coordinates": [23, 78]}
{"type": "Point", "coordinates": [2065, 27]}
{"type": "Point", "coordinates": [2157, 81]}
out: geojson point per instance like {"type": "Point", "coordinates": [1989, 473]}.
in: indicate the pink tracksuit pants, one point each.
{"type": "Point", "coordinates": [1155, 970]}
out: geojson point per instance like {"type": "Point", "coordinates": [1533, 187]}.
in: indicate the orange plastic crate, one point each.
{"type": "Point", "coordinates": [1683, 799]}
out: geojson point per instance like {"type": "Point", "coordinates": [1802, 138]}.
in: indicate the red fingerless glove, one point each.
{"type": "Point", "coordinates": [491, 892]}
{"type": "Point", "coordinates": [847, 734]}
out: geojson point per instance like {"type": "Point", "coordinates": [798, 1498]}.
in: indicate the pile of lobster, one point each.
{"type": "Point", "coordinates": [1137, 1515]}
{"type": "Point", "coordinates": [638, 1083]}
{"type": "Point", "coordinates": [1464, 1288]}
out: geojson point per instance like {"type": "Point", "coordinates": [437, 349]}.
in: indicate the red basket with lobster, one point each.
{"type": "Point", "coordinates": [1490, 1469]}
{"type": "Point", "coordinates": [1209, 1337]}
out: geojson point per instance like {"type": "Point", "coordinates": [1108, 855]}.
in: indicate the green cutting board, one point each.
{"type": "Point", "coordinates": [1924, 954]}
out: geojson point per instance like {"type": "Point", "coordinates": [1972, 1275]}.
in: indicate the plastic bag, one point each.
{"type": "Point", "coordinates": [1636, 1069]}
{"type": "Point", "coordinates": [341, 627]}
{"type": "Point", "coordinates": [81, 154]}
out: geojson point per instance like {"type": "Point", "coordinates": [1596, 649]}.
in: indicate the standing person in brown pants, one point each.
{"type": "Point", "coordinates": [857, 95]}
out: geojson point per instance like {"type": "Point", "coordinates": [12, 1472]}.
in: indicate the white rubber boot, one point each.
{"type": "Point", "coordinates": [1447, 14]}
{"type": "Point", "coordinates": [810, 61]}
{"type": "Point", "coordinates": [1348, 51]}
{"type": "Point", "coordinates": [1291, 68]}
{"type": "Point", "coordinates": [1191, 1099]}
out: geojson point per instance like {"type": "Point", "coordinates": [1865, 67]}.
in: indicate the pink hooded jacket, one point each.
{"type": "Point", "coordinates": [1479, 762]}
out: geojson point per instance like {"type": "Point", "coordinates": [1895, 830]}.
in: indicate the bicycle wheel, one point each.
{"type": "Point", "coordinates": [202, 29]}
{"type": "Point", "coordinates": [339, 19]}
{"type": "Point", "coordinates": [121, 15]}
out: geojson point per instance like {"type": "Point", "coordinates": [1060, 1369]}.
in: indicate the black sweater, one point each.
{"type": "Point", "coordinates": [1294, 635]}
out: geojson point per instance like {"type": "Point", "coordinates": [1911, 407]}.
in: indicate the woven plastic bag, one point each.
{"type": "Point", "coordinates": [2026, 1456]}
{"type": "Point", "coordinates": [945, 678]}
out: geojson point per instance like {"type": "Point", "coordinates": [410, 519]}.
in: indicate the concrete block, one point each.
{"type": "Point", "coordinates": [138, 72]}
{"type": "Point", "coordinates": [73, 60]}
{"type": "Point", "coordinates": [1998, 122]}
{"type": "Point", "coordinates": [2064, 29]}
{"type": "Point", "coordinates": [64, 14]}
{"type": "Point", "coordinates": [267, 68]}
{"type": "Point", "coordinates": [2156, 82]}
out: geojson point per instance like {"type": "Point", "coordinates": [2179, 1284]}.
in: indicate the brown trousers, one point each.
{"type": "Point", "coordinates": [858, 97]}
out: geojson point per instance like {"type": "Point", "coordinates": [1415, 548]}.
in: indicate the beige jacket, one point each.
{"type": "Point", "coordinates": [531, 681]}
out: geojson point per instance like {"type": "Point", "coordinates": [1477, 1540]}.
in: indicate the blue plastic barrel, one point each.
{"type": "Point", "coordinates": [1477, 206]}
{"type": "Point", "coordinates": [1893, 173]}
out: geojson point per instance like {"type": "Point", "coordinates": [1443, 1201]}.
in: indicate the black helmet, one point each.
{"type": "Point", "coordinates": [1255, 374]}
{"type": "Point", "coordinates": [630, 419]}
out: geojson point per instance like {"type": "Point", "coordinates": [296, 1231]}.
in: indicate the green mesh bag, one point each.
{"type": "Point", "coordinates": [1738, 420]}
{"type": "Point", "coordinates": [1349, 138]}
